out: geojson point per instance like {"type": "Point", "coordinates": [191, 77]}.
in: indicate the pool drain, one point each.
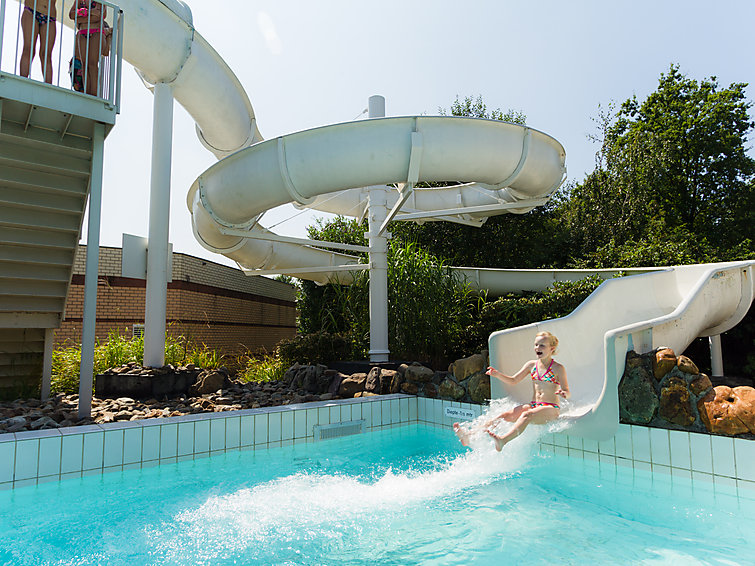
{"type": "Point", "coordinates": [337, 430]}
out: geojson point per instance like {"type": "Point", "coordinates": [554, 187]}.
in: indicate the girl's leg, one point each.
{"type": "Point", "coordinates": [537, 415]}
{"type": "Point", "coordinates": [28, 30]}
{"type": "Point", "coordinates": [510, 416]}
{"type": "Point", "coordinates": [47, 34]}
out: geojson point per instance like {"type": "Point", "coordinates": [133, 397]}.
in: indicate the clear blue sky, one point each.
{"type": "Point", "coordinates": [307, 64]}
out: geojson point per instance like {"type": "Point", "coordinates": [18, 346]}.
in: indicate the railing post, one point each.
{"type": "Point", "coordinates": [159, 219]}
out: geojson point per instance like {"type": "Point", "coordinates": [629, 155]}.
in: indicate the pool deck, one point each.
{"type": "Point", "coordinates": [28, 458]}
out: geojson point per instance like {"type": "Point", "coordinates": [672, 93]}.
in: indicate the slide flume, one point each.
{"type": "Point", "coordinates": [641, 312]}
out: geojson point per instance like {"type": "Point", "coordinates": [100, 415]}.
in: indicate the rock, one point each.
{"type": "Point", "coordinates": [208, 381]}
{"type": "Point", "coordinates": [352, 385]}
{"type": "Point", "coordinates": [664, 362]}
{"type": "Point", "coordinates": [335, 382]}
{"type": "Point", "coordinates": [396, 380]}
{"type": "Point", "coordinates": [478, 387]}
{"type": "Point", "coordinates": [700, 384]}
{"type": "Point", "coordinates": [418, 373]}
{"type": "Point", "coordinates": [326, 397]}
{"type": "Point", "coordinates": [465, 367]}
{"type": "Point", "coordinates": [431, 390]}
{"type": "Point", "coordinates": [728, 411]}
{"type": "Point", "coordinates": [449, 389]}
{"type": "Point", "coordinates": [409, 388]}
{"type": "Point", "coordinates": [687, 366]}
{"type": "Point", "coordinates": [372, 384]}
{"type": "Point", "coordinates": [638, 401]}
{"type": "Point", "coordinates": [387, 376]}
{"type": "Point", "coordinates": [675, 403]}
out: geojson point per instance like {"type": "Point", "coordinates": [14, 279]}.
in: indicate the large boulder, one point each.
{"type": "Point", "coordinates": [728, 411]}
{"type": "Point", "coordinates": [449, 389]}
{"type": "Point", "coordinates": [638, 401]}
{"type": "Point", "coordinates": [352, 385]}
{"type": "Point", "coordinates": [664, 362]}
{"type": "Point", "coordinates": [687, 366]}
{"type": "Point", "coordinates": [209, 381]}
{"type": "Point", "coordinates": [478, 387]}
{"type": "Point", "coordinates": [373, 381]}
{"type": "Point", "coordinates": [465, 367]}
{"type": "Point", "coordinates": [676, 402]}
{"type": "Point", "coordinates": [418, 373]}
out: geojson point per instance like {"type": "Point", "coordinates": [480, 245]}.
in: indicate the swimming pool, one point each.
{"type": "Point", "coordinates": [406, 495]}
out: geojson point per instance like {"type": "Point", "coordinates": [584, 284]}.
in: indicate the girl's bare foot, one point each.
{"type": "Point", "coordinates": [462, 434]}
{"type": "Point", "coordinates": [499, 441]}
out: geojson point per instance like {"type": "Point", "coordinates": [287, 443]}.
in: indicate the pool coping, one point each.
{"type": "Point", "coordinates": [29, 458]}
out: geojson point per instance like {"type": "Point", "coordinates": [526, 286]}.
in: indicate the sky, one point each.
{"type": "Point", "coordinates": [308, 64]}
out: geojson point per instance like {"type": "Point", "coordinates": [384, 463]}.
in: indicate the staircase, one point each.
{"type": "Point", "coordinates": [46, 147]}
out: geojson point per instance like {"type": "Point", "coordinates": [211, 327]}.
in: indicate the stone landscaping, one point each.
{"type": "Point", "coordinates": [661, 390]}
{"type": "Point", "coordinates": [128, 393]}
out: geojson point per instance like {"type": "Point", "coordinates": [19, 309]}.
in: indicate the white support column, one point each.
{"type": "Point", "coordinates": [47, 364]}
{"type": "Point", "coordinates": [159, 221]}
{"type": "Point", "coordinates": [86, 371]}
{"type": "Point", "coordinates": [716, 356]}
{"type": "Point", "coordinates": [378, 211]}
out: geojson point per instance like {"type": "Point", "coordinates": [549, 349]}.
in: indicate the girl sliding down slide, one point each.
{"type": "Point", "coordinates": [548, 382]}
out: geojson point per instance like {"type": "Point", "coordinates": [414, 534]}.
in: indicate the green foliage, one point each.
{"type": "Point", "coordinates": [674, 162]}
{"type": "Point", "coordinates": [476, 108]}
{"type": "Point", "coordinates": [263, 367]}
{"type": "Point", "coordinates": [517, 310]}
{"type": "Point", "coordinates": [315, 348]}
{"type": "Point", "coordinates": [118, 350]}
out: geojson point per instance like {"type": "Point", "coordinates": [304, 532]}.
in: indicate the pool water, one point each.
{"type": "Point", "coordinates": [409, 495]}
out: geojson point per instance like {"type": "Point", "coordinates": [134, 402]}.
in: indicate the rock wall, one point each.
{"type": "Point", "coordinates": [661, 390]}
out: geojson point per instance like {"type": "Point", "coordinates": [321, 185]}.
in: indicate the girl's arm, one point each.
{"type": "Point", "coordinates": [564, 389]}
{"type": "Point", "coordinates": [510, 379]}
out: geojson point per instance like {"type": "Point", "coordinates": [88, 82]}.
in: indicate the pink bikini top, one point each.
{"type": "Point", "coordinates": [548, 376]}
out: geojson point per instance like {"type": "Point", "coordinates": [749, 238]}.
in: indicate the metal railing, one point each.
{"type": "Point", "coordinates": [84, 55]}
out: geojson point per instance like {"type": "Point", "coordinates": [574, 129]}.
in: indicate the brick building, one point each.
{"type": "Point", "coordinates": [208, 303]}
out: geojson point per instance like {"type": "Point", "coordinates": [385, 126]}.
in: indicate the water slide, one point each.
{"type": "Point", "coordinates": [670, 307]}
{"type": "Point", "coordinates": [502, 168]}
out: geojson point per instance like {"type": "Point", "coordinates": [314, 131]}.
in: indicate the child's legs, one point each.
{"type": "Point", "coordinates": [93, 64]}
{"type": "Point", "coordinates": [47, 35]}
{"type": "Point", "coordinates": [508, 416]}
{"type": "Point", "coordinates": [536, 415]}
{"type": "Point", "coordinates": [28, 30]}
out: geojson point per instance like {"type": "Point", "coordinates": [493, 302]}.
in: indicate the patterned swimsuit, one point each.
{"type": "Point", "coordinates": [548, 376]}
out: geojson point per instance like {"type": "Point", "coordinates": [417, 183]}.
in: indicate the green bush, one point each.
{"type": "Point", "coordinates": [262, 367]}
{"type": "Point", "coordinates": [517, 310]}
{"type": "Point", "coordinates": [315, 348]}
{"type": "Point", "coordinates": [118, 350]}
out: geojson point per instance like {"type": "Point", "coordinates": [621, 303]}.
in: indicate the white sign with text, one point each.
{"type": "Point", "coordinates": [459, 413]}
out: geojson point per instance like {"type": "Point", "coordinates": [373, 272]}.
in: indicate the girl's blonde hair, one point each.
{"type": "Point", "coordinates": [552, 340]}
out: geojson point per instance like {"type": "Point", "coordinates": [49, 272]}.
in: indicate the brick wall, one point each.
{"type": "Point", "coordinates": [208, 303]}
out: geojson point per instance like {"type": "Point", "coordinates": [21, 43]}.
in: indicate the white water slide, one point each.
{"type": "Point", "coordinates": [503, 167]}
{"type": "Point", "coordinates": [670, 307]}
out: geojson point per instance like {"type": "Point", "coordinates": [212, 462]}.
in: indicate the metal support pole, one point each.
{"type": "Point", "coordinates": [716, 356]}
{"type": "Point", "coordinates": [378, 211]}
{"type": "Point", "coordinates": [159, 219]}
{"type": "Point", "coordinates": [86, 372]}
{"type": "Point", "coordinates": [47, 364]}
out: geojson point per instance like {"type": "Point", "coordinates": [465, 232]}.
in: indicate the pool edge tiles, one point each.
{"type": "Point", "coordinates": [689, 456]}
{"type": "Point", "coordinates": [29, 458]}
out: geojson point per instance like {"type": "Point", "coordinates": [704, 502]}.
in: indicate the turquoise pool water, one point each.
{"type": "Point", "coordinates": [401, 496]}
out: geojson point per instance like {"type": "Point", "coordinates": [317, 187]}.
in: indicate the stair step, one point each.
{"type": "Point", "coordinates": [14, 217]}
{"type": "Point", "coordinates": [45, 139]}
{"type": "Point", "coordinates": [33, 288]}
{"type": "Point", "coordinates": [39, 160]}
{"type": "Point", "coordinates": [20, 336]}
{"type": "Point", "coordinates": [14, 271]}
{"type": "Point", "coordinates": [33, 255]}
{"type": "Point", "coordinates": [31, 304]}
{"type": "Point", "coordinates": [42, 201]}
{"type": "Point", "coordinates": [43, 182]}
{"type": "Point", "coordinates": [23, 236]}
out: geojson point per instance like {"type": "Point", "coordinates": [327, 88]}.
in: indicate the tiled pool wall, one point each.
{"type": "Point", "coordinates": [689, 456]}
{"type": "Point", "coordinates": [28, 458]}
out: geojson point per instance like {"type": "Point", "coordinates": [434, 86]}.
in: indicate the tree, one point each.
{"type": "Point", "coordinates": [675, 162]}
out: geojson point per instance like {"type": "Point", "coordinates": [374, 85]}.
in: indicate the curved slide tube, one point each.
{"type": "Point", "coordinates": [642, 312]}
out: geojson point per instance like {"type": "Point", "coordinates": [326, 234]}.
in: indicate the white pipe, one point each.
{"type": "Point", "coordinates": [159, 219]}
{"type": "Point", "coordinates": [716, 356]}
{"type": "Point", "coordinates": [378, 211]}
{"type": "Point", "coordinates": [89, 324]}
